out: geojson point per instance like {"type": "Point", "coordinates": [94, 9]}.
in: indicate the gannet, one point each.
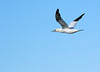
{"type": "Point", "coordinates": [65, 28]}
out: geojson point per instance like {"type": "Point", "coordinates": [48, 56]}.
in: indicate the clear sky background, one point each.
{"type": "Point", "coordinates": [28, 45]}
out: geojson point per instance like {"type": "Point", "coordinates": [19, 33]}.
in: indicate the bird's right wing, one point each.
{"type": "Point", "coordinates": [60, 20]}
{"type": "Point", "coordinates": [73, 24]}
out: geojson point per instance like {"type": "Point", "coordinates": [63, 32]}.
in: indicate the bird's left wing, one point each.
{"type": "Point", "coordinates": [60, 20]}
{"type": "Point", "coordinates": [73, 24]}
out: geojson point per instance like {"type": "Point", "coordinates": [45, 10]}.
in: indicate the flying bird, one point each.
{"type": "Point", "coordinates": [65, 28]}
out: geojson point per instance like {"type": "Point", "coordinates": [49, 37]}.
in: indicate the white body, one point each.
{"type": "Point", "coordinates": [70, 31]}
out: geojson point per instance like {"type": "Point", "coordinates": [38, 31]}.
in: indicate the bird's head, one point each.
{"type": "Point", "coordinates": [56, 30]}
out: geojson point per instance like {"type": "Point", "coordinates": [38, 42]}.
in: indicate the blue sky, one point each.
{"type": "Point", "coordinates": [28, 45]}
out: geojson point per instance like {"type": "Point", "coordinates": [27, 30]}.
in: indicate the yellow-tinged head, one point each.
{"type": "Point", "coordinates": [57, 30]}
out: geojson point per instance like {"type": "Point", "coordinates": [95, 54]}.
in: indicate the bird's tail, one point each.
{"type": "Point", "coordinates": [81, 30]}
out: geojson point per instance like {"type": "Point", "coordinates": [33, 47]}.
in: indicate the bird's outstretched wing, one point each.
{"type": "Point", "coordinates": [60, 20]}
{"type": "Point", "coordinates": [73, 24]}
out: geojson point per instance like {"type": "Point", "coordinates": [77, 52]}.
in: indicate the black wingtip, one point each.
{"type": "Point", "coordinates": [79, 17]}
{"type": "Point", "coordinates": [83, 14]}
{"type": "Point", "coordinates": [57, 11]}
{"type": "Point", "coordinates": [57, 15]}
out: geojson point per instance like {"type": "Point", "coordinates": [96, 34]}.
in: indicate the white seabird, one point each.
{"type": "Point", "coordinates": [65, 28]}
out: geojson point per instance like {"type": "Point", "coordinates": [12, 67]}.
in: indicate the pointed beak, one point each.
{"type": "Point", "coordinates": [53, 30]}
